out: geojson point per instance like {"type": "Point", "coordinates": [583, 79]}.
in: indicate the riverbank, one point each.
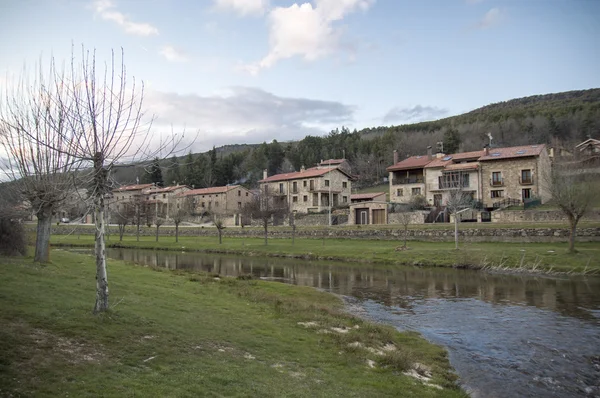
{"type": "Point", "coordinates": [174, 333]}
{"type": "Point", "coordinates": [495, 256]}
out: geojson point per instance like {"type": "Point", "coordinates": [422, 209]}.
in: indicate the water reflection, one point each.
{"type": "Point", "coordinates": [399, 287]}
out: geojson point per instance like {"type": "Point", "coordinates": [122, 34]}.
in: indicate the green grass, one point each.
{"type": "Point", "coordinates": [541, 256]}
{"type": "Point", "coordinates": [189, 334]}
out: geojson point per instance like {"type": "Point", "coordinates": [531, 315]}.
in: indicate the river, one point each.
{"type": "Point", "coordinates": [507, 335]}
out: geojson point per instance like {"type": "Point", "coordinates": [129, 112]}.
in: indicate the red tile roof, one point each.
{"type": "Point", "coordinates": [513, 152]}
{"type": "Point", "coordinates": [363, 196]}
{"type": "Point", "coordinates": [134, 187]}
{"type": "Point", "coordinates": [166, 189]}
{"type": "Point", "coordinates": [308, 173]}
{"type": "Point", "coordinates": [413, 162]}
{"type": "Point", "coordinates": [332, 161]}
{"type": "Point", "coordinates": [208, 191]}
{"type": "Point", "coordinates": [462, 166]}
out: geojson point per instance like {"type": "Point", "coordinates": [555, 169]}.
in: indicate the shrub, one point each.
{"type": "Point", "coordinates": [12, 236]}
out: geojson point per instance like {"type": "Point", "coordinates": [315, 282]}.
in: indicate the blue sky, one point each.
{"type": "Point", "coordinates": [247, 71]}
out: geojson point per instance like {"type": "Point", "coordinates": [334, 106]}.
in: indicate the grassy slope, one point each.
{"type": "Point", "coordinates": [543, 255]}
{"type": "Point", "coordinates": [184, 334]}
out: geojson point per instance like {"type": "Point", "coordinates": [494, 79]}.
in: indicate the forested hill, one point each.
{"type": "Point", "coordinates": [557, 119]}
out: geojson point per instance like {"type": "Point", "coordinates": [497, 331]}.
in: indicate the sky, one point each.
{"type": "Point", "coordinates": [248, 71]}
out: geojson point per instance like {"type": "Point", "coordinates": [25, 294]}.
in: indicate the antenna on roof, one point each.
{"type": "Point", "coordinates": [490, 137]}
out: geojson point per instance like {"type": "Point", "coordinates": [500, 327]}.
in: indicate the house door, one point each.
{"type": "Point", "coordinates": [379, 216]}
{"type": "Point", "coordinates": [437, 200]}
{"type": "Point", "coordinates": [362, 216]}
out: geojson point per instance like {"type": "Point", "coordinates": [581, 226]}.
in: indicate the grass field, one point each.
{"type": "Point", "coordinates": [173, 334]}
{"type": "Point", "coordinates": [541, 256]}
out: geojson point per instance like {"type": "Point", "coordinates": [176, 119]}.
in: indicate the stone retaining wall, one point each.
{"type": "Point", "coordinates": [466, 233]}
{"type": "Point", "coordinates": [516, 216]}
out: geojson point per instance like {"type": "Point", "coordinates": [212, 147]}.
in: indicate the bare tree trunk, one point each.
{"type": "Point", "coordinates": [42, 239]}
{"type": "Point", "coordinates": [293, 234]}
{"type": "Point", "coordinates": [266, 236]}
{"type": "Point", "coordinates": [405, 235]}
{"type": "Point", "coordinates": [572, 233]}
{"type": "Point", "coordinates": [456, 231]}
{"type": "Point", "coordinates": [100, 249]}
{"type": "Point", "coordinates": [157, 233]}
{"type": "Point", "coordinates": [121, 232]}
{"type": "Point", "coordinates": [220, 237]}
{"type": "Point", "coordinates": [176, 232]}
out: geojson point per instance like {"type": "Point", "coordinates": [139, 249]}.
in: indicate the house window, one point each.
{"type": "Point", "coordinates": [326, 183]}
{"type": "Point", "coordinates": [295, 199]}
{"type": "Point", "coordinates": [344, 184]}
{"type": "Point", "coordinates": [345, 199]}
{"type": "Point", "coordinates": [209, 205]}
{"type": "Point", "coordinates": [246, 193]}
{"type": "Point", "coordinates": [304, 183]}
{"type": "Point", "coordinates": [400, 192]}
{"type": "Point", "coordinates": [416, 191]}
{"type": "Point", "coordinates": [239, 193]}
{"type": "Point", "coordinates": [526, 193]}
{"type": "Point", "coordinates": [305, 197]}
{"type": "Point", "coordinates": [154, 197]}
{"type": "Point", "coordinates": [239, 205]}
{"type": "Point", "coordinates": [164, 195]}
{"type": "Point", "coordinates": [496, 178]}
{"type": "Point", "coordinates": [526, 177]}
{"type": "Point", "coordinates": [281, 188]}
{"type": "Point", "coordinates": [497, 194]}
{"type": "Point", "coordinates": [203, 204]}
{"type": "Point", "coordinates": [295, 187]}
{"type": "Point", "coordinates": [216, 204]}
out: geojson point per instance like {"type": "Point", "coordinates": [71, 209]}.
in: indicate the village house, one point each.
{"type": "Point", "coordinates": [342, 164]}
{"type": "Point", "coordinates": [227, 201]}
{"type": "Point", "coordinates": [310, 190]}
{"type": "Point", "coordinates": [493, 177]}
{"type": "Point", "coordinates": [164, 199]}
{"type": "Point", "coordinates": [121, 197]}
{"type": "Point", "coordinates": [368, 208]}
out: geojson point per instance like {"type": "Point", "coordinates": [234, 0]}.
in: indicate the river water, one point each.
{"type": "Point", "coordinates": [507, 335]}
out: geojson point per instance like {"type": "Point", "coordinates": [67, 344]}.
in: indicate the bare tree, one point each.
{"type": "Point", "coordinates": [406, 213]}
{"type": "Point", "coordinates": [180, 215]}
{"type": "Point", "coordinates": [158, 221]}
{"type": "Point", "coordinates": [458, 202]}
{"type": "Point", "coordinates": [292, 221]}
{"type": "Point", "coordinates": [43, 173]}
{"type": "Point", "coordinates": [266, 208]}
{"type": "Point", "coordinates": [123, 216]}
{"type": "Point", "coordinates": [107, 125]}
{"type": "Point", "coordinates": [573, 190]}
{"type": "Point", "coordinates": [220, 225]}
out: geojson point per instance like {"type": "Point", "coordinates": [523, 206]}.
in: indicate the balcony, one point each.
{"type": "Point", "coordinates": [408, 180]}
{"type": "Point", "coordinates": [452, 185]}
{"type": "Point", "coordinates": [526, 181]}
{"type": "Point", "coordinates": [497, 183]}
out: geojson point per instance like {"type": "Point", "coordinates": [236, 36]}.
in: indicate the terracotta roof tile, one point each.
{"type": "Point", "coordinates": [361, 196]}
{"type": "Point", "coordinates": [413, 162]}
{"type": "Point", "coordinates": [312, 172]}
{"type": "Point", "coordinates": [166, 189]}
{"type": "Point", "coordinates": [513, 152]}
{"type": "Point", "coordinates": [208, 191]}
{"type": "Point", "coordinates": [134, 187]}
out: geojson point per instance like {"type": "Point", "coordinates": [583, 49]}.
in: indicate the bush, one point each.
{"type": "Point", "coordinates": [12, 236]}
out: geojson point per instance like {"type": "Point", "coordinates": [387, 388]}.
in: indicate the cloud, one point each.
{"type": "Point", "coordinates": [306, 31]}
{"type": "Point", "coordinates": [106, 10]}
{"type": "Point", "coordinates": [491, 18]}
{"type": "Point", "coordinates": [172, 54]}
{"type": "Point", "coordinates": [243, 7]}
{"type": "Point", "coordinates": [417, 113]}
{"type": "Point", "coordinates": [245, 115]}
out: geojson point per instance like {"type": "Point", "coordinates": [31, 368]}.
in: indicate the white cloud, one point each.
{"type": "Point", "coordinates": [491, 18]}
{"type": "Point", "coordinates": [243, 7]}
{"type": "Point", "coordinates": [172, 54]}
{"type": "Point", "coordinates": [245, 115]}
{"type": "Point", "coordinates": [106, 10]}
{"type": "Point", "coordinates": [306, 31]}
{"type": "Point", "coordinates": [417, 113]}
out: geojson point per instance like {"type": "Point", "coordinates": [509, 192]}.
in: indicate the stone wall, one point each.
{"type": "Point", "coordinates": [416, 217]}
{"type": "Point", "coordinates": [516, 216]}
{"type": "Point", "coordinates": [520, 235]}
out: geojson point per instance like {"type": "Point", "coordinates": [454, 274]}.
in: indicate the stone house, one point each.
{"type": "Point", "coordinates": [368, 208]}
{"type": "Point", "coordinates": [450, 172]}
{"type": "Point", "coordinates": [310, 190]}
{"type": "Point", "coordinates": [125, 195]}
{"type": "Point", "coordinates": [518, 173]}
{"type": "Point", "coordinates": [165, 199]}
{"type": "Point", "coordinates": [407, 177]}
{"type": "Point", "coordinates": [342, 164]}
{"type": "Point", "coordinates": [227, 201]}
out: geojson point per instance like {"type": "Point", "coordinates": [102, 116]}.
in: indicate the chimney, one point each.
{"type": "Point", "coordinates": [486, 150]}
{"type": "Point", "coordinates": [429, 153]}
{"type": "Point", "coordinates": [265, 174]}
{"type": "Point", "coordinates": [395, 156]}
{"type": "Point", "coordinates": [302, 169]}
